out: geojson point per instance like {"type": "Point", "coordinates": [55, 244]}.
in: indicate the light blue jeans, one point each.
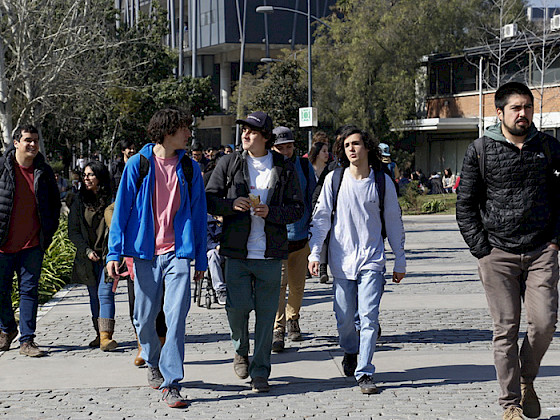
{"type": "Point", "coordinates": [215, 266]}
{"type": "Point", "coordinates": [101, 296]}
{"type": "Point", "coordinates": [150, 277]}
{"type": "Point", "coordinates": [364, 295]}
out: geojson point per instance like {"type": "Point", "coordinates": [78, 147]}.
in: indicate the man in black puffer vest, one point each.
{"type": "Point", "coordinates": [508, 212]}
{"type": "Point", "coordinates": [29, 213]}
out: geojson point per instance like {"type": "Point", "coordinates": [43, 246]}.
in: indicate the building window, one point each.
{"type": "Point", "coordinates": [440, 78]}
{"type": "Point", "coordinates": [551, 74]}
{"type": "Point", "coordinates": [464, 76]}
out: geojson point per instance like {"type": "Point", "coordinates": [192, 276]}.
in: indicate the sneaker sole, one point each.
{"type": "Point", "coordinates": [369, 391]}
{"type": "Point", "coordinates": [178, 404]}
{"type": "Point", "coordinates": [260, 391]}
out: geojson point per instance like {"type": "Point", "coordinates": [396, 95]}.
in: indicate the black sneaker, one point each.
{"type": "Point", "coordinates": [278, 341]}
{"type": "Point", "coordinates": [29, 348]}
{"type": "Point", "coordinates": [367, 386]}
{"type": "Point", "coordinates": [260, 384]}
{"type": "Point", "coordinates": [172, 397]}
{"type": "Point", "coordinates": [349, 363]}
{"type": "Point", "coordinates": [155, 378]}
{"type": "Point", "coordinates": [6, 339]}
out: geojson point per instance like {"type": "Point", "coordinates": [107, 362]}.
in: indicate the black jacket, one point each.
{"type": "Point", "coordinates": [46, 194]}
{"type": "Point", "coordinates": [285, 202]}
{"type": "Point", "coordinates": [516, 207]}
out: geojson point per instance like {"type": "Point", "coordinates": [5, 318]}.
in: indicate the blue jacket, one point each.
{"type": "Point", "coordinates": [300, 229]}
{"type": "Point", "coordinates": [132, 231]}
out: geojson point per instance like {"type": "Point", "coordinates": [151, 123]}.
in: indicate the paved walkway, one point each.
{"type": "Point", "coordinates": [434, 360]}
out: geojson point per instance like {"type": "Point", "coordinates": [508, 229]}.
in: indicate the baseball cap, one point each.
{"type": "Point", "coordinates": [283, 135]}
{"type": "Point", "coordinates": [384, 149]}
{"type": "Point", "coordinates": [259, 120]}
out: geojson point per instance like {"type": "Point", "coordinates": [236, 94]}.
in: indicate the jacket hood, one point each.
{"type": "Point", "coordinates": [147, 151]}
{"type": "Point", "coordinates": [495, 132]}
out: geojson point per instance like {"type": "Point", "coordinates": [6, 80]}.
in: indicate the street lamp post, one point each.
{"type": "Point", "coordinates": [270, 10]}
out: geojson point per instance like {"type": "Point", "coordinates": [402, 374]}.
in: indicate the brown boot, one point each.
{"type": "Point", "coordinates": [106, 328]}
{"type": "Point", "coordinates": [95, 341]}
{"type": "Point", "coordinates": [138, 361]}
{"type": "Point", "coordinates": [162, 341]}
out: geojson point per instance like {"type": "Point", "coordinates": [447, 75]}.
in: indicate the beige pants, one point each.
{"type": "Point", "coordinates": [504, 277]}
{"type": "Point", "coordinates": [294, 270]}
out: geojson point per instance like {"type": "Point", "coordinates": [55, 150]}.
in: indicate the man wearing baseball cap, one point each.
{"type": "Point", "coordinates": [294, 269]}
{"type": "Point", "coordinates": [257, 194]}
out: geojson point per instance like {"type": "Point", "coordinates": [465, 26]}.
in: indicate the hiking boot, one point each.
{"type": "Point", "coordinates": [260, 384]}
{"type": "Point", "coordinates": [513, 413]}
{"type": "Point", "coordinates": [294, 333]}
{"type": "Point", "coordinates": [221, 295]}
{"type": "Point", "coordinates": [367, 386]}
{"type": "Point", "coordinates": [106, 329]}
{"type": "Point", "coordinates": [29, 348]}
{"type": "Point", "coordinates": [6, 339]}
{"type": "Point", "coordinates": [278, 341]}
{"type": "Point", "coordinates": [138, 360]}
{"type": "Point", "coordinates": [241, 366]}
{"type": "Point", "coordinates": [349, 363]}
{"type": "Point", "coordinates": [155, 378]}
{"type": "Point", "coordinates": [529, 401]}
{"type": "Point", "coordinates": [172, 397]}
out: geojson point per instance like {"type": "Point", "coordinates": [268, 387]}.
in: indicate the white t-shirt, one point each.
{"type": "Point", "coordinates": [260, 169]}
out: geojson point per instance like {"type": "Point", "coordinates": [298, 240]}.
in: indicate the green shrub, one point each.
{"type": "Point", "coordinates": [409, 200]}
{"type": "Point", "coordinates": [57, 166]}
{"type": "Point", "coordinates": [434, 206]}
{"type": "Point", "coordinates": [57, 266]}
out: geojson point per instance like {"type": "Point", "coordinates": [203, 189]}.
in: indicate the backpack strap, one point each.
{"type": "Point", "coordinates": [304, 162]}
{"type": "Point", "coordinates": [336, 183]}
{"type": "Point", "coordinates": [187, 164]}
{"type": "Point", "coordinates": [479, 147]}
{"type": "Point", "coordinates": [380, 187]}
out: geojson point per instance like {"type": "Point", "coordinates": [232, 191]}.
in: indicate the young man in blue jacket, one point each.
{"type": "Point", "coordinates": [160, 221]}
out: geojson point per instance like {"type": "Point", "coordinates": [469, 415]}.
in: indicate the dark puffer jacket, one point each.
{"type": "Point", "coordinates": [516, 209]}
{"type": "Point", "coordinates": [46, 193]}
{"type": "Point", "coordinates": [285, 202]}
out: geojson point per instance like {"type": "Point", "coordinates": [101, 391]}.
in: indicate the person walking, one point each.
{"type": "Point", "coordinates": [352, 208]}
{"type": "Point", "coordinates": [294, 269]}
{"type": "Point", "coordinates": [160, 221]}
{"type": "Point", "coordinates": [87, 229]}
{"type": "Point", "coordinates": [508, 211]}
{"type": "Point", "coordinates": [257, 193]}
{"type": "Point", "coordinates": [29, 217]}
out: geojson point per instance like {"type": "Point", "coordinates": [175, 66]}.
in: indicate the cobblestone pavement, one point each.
{"type": "Point", "coordinates": [433, 360]}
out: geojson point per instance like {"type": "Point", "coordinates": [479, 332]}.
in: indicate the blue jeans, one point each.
{"type": "Point", "coordinates": [364, 295]}
{"type": "Point", "coordinates": [215, 266]}
{"type": "Point", "coordinates": [27, 265]}
{"type": "Point", "coordinates": [101, 296]}
{"type": "Point", "coordinates": [150, 277]}
{"type": "Point", "coordinates": [253, 285]}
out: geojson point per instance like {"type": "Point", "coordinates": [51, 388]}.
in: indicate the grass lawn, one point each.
{"type": "Point", "coordinates": [450, 201]}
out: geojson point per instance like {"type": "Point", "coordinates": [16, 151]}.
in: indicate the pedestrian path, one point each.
{"type": "Point", "coordinates": [433, 361]}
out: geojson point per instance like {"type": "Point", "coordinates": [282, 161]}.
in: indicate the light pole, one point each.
{"type": "Point", "coordinates": [272, 9]}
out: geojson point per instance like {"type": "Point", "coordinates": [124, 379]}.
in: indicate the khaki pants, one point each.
{"type": "Point", "coordinates": [294, 270]}
{"type": "Point", "coordinates": [504, 277]}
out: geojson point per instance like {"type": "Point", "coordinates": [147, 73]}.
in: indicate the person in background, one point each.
{"type": "Point", "coordinates": [448, 180]}
{"type": "Point", "coordinates": [198, 155]}
{"type": "Point", "coordinates": [127, 150]}
{"type": "Point", "coordinates": [319, 158]}
{"type": "Point", "coordinates": [215, 260]}
{"type": "Point", "coordinates": [29, 217]}
{"type": "Point", "coordinates": [390, 166]}
{"type": "Point", "coordinates": [294, 269]}
{"type": "Point", "coordinates": [88, 232]}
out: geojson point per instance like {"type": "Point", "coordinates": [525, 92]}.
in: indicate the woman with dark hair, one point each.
{"type": "Point", "coordinates": [319, 157]}
{"type": "Point", "coordinates": [87, 229]}
{"type": "Point", "coordinates": [448, 181]}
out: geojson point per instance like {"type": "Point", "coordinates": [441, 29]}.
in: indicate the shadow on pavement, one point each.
{"type": "Point", "coordinates": [439, 336]}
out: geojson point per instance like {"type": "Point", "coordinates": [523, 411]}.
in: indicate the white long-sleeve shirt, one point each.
{"type": "Point", "coordinates": [356, 243]}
